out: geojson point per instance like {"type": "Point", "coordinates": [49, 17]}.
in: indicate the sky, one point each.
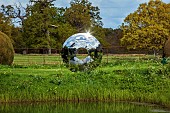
{"type": "Point", "coordinates": [113, 12]}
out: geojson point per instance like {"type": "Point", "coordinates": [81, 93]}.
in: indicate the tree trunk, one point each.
{"type": "Point", "coordinates": [154, 52]}
{"type": "Point", "coordinates": [49, 51]}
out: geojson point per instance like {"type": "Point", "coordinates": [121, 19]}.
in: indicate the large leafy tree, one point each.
{"type": "Point", "coordinates": [99, 33]}
{"type": "Point", "coordinates": [5, 24]}
{"type": "Point", "coordinates": [10, 30]}
{"type": "Point", "coordinates": [44, 26]}
{"type": "Point", "coordinates": [64, 31]}
{"type": "Point", "coordinates": [17, 38]}
{"type": "Point", "coordinates": [148, 27]}
{"type": "Point", "coordinates": [83, 15]}
{"type": "Point", "coordinates": [16, 14]}
{"type": "Point", "coordinates": [113, 36]}
{"type": "Point", "coordinates": [39, 25]}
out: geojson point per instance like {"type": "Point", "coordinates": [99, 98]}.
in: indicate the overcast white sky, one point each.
{"type": "Point", "coordinates": [112, 12]}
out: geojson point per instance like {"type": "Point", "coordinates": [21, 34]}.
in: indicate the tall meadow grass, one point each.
{"type": "Point", "coordinates": [123, 79]}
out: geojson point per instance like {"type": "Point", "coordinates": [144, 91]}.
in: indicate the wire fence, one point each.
{"type": "Point", "coordinates": [106, 50]}
{"type": "Point", "coordinates": [55, 59]}
{"type": "Point", "coordinates": [28, 56]}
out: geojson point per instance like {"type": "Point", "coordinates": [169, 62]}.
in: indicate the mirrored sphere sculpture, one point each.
{"type": "Point", "coordinates": [81, 41]}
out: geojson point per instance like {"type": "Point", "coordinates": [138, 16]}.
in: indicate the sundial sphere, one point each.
{"type": "Point", "coordinates": [85, 41]}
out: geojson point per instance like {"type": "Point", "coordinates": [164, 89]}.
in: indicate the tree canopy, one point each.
{"type": "Point", "coordinates": [148, 27]}
{"type": "Point", "coordinates": [36, 31]}
{"type": "Point", "coordinates": [43, 25]}
{"type": "Point", "coordinates": [83, 15]}
{"type": "Point", "coordinates": [5, 24]}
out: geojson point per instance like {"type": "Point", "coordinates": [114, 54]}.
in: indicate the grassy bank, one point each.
{"type": "Point", "coordinates": [139, 79]}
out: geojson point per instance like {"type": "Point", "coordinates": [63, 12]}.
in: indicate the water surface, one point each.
{"type": "Point", "coordinates": [82, 107]}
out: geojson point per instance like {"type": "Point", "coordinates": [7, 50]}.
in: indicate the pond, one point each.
{"type": "Point", "coordinates": [83, 107]}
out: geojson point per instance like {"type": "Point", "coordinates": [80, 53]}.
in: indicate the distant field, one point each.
{"type": "Point", "coordinates": [51, 64]}
{"type": "Point", "coordinates": [37, 59]}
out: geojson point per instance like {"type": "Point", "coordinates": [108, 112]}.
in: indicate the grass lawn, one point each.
{"type": "Point", "coordinates": [118, 78]}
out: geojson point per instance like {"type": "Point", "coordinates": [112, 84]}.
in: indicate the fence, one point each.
{"type": "Point", "coordinates": [55, 59]}
{"type": "Point", "coordinates": [26, 56]}
{"type": "Point", "coordinates": [106, 50]}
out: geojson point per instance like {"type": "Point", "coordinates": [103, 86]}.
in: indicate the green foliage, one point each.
{"type": "Point", "coordinates": [82, 18]}
{"type": "Point", "coordinates": [139, 79]}
{"type": "Point", "coordinates": [93, 11]}
{"type": "Point", "coordinates": [148, 27]}
{"type": "Point", "coordinates": [113, 36]}
{"type": "Point", "coordinates": [5, 25]}
{"type": "Point", "coordinates": [86, 15]}
{"type": "Point", "coordinates": [64, 31]}
{"type": "Point", "coordinates": [99, 33]}
{"type": "Point", "coordinates": [36, 30]}
{"type": "Point", "coordinates": [6, 50]}
{"type": "Point", "coordinates": [45, 26]}
{"type": "Point", "coordinates": [17, 38]}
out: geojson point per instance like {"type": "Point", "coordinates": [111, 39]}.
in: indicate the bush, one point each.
{"type": "Point", "coordinates": [6, 50]}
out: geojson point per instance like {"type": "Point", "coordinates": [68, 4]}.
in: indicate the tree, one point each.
{"type": "Point", "coordinates": [83, 15]}
{"type": "Point", "coordinates": [37, 25]}
{"type": "Point", "coordinates": [113, 36]}
{"type": "Point", "coordinates": [148, 27]}
{"type": "Point", "coordinates": [64, 31]}
{"type": "Point", "coordinates": [17, 38]}
{"type": "Point", "coordinates": [16, 12]}
{"type": "Point", "coordinates": [5, 24]}
{"type": "Point", "coordinates": [99, 33]}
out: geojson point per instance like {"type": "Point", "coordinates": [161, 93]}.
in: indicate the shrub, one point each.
{"type": "Point", "coordinates": [6, 50]}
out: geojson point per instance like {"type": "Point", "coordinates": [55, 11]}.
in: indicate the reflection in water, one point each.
{"type": "Point", "coordinates": [75, 108]}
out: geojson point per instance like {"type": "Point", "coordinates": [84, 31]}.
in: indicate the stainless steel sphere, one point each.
{"type": "Point", "coordinates": [77, 41]}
